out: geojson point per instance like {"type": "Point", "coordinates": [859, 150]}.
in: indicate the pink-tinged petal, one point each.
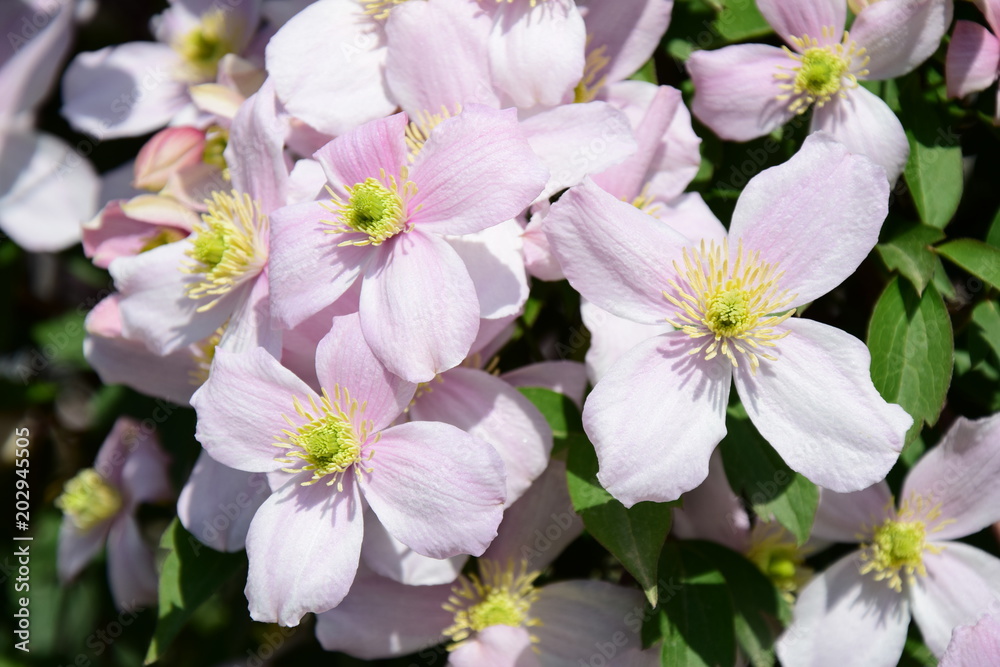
{"type": "Point", "coordinates": [655, 419]}
{"type": "Point", "coordinates": [713, 512]}
{"type": "Point", "coordinates": [436, 489]}
{"type": "Point", "coordinates": [344, 358]}
{"type": "Point", "coordinates": [973, 59]}
{"type": "Point", "coordinates": [490, 409]}
{"type": "Point", "coordinates": [492, 337]}
{"type": "Point", "coordinates": [475, 171]}
{"type": "Point", "coordinates": [342, 87]}
{"type": "Point", "coordinates": [736, 93]}
{"type": "Point", "coordinates": [796, 18]}
{"type": "Point", "coordinates": [306, 181]}
{"type": "Point", "coordinates": [118, 360]}
{"type": "Point", "coordinates": [303, 545]}
{"type": "Point", "coordinates": [250, 325]}
{"type": "Point", "coordinates": [382, 618]}
{"type": "Point", "coordinates": [365, 151]}
{"type": "Point", "coordinates": [155, 307]}
{"type": "Point", "coordinates": [540, 524]}
{"type": "Point", "coordinates": [299, 345]}
{"type": "Point", "coordinates": [218, 503]}
{"type": "Point", "coordinates": [29, 67]}
{"type": "Point", "coordinates": [612, 253]}
{"type": "Point", "coordinates": [577, 140]}
{"type": "Point", "coordinates": [841, 517]}
{"type": "Point", "coordinates": [116, 449]}
{"type": "Point", "coordinates": [866, 125]}
{"type": "Point", "coordinates": [962, 583]}
{"type": "Point", "coordinates": [114, 234]}
{"type": "Point", "coordinates": [307, 269]}
{"type": "Point", "coordinates": [420, 284]}
{"type": "Point", "coordinates": [627, 179]}
{"type": "Point", "coordinates": [898, 35]}
{"type": "Point", "coordinates": [239, 20]}
{"type": "Point", "coordinates": [845, 618]}
{"type": "Point", "coordinates": [628, 30]}
{"type": "Point", "coordinates": [818, 408]}
{"type": "Point", "coordinates": [169, 151]}
{"type": "Point", "coordinates": [537, 52]}
{"type": "Point", "coordinates": [611, 337]}
{"type": "Point", "coordinates": [960, 476]}
{"type": "Point", "coordinates": [157, 210]}
{"type": "Point", "coordinates": [494, 258]}
{"type": "Point", "coordinates": [390, 558]}
{"type": "Point", "coordinates": [538, 258]}
{"type": "Point", "coordinates": [46, 191]}
{"type": "Point", "coordinates": [428, 70]}
{"type": "Point", "coordinates": [145, 477]}
{"type": "Point", "coordinates": [832, 207]}
{"type": "Point", "coordinates": [240, 409]}
{"type": "Point", "coordinates": [497, 646]}
{"type": "Point", "coordinates": [971, 645]}
{"type": "Point", "coordinates": [78, 547]}
{"type": "Point", "coordinates": [255, 152]}
{"type": "Point", "coordinates": [131, 568]}
{"type": "Point", "coordinates": [991, 10]}
{"type": "Point", "coordinates": [123, 91]}
{"type": "Point", "coordinates": [563, 377]}
{"type": "Point", "coordinates": [689, 215]}
{"type": "Point", "coordinates": [579, 616]}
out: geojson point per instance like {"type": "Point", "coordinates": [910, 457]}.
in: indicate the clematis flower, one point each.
{"type": "Point", "coordinates": [387, 224]}
{"type": "Point", "coordinates": [858, 610]}
{"type": "Point", "coordinates": [433, 487]}
{"type": "Point", "coordinates": [497, 616]}
{"type": "Point", "coordinates": [973, 59]}
{"type": "Point", "coordinates": [100, 504]}
{"type": "Point", "coordinates": [135, 88]}
{"type": "Point", "coordinates": [977, 644]}
{"type": "Point", "coordinates": [748, 90]}
{"type": "Point", "coordinates": [658, 414]}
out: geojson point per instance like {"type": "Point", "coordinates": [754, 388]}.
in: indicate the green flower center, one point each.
{"type": "Point", "coordinates": [376, 208]}
{"type": "Point", "coordinates": [498, 595]}
{"type": "Point", "coordinates": [821, 72]}
{"type": "Point", "coordinates": [88, 500]}
{"type": "Point", "coordinates": [210, 245]}
{"type": "Point", "coordinates": [202, 48]}
{"type": "Point", "coordinates": [776, 553]}
{"type": "Point", "coordinates": [216, 141]}
{"type": "Point", "coordinates": [329, 444]}
{"type": "Point", "coordinates": [727, 313]}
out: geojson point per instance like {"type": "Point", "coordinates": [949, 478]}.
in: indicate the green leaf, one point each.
{"type": "Point", "coordinates": [646, 73]}
{"type": "Point", "coordinates": [980, 259]}
{"type": "Point", "coordinates": [993, 233]}
{"type": "Point", "coordinates": [696, 618]}
{"type": "Point", "coordinates": [739, 20]}
{"type": "Point", "coordinates": [559, 411]}
{"type": "Point", "coordinates": [907, 250]}
{"type": "Point", "coordinates": [986, 321]}
{"type": "Point", "coordinates": [191, 573]}
{"type": "Point", "coordinates": [758, 473]}
{"type": "Point", "coordinates": [941, 280]}
{"type": "Point", "coordinates": [912, 346]}
{"type": "Point", "coordinates": [635, 535]}
{"type": "Point", "coordinates": [934, 169]}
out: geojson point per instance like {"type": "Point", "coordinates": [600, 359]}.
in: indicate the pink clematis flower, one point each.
{"type": "Point", "coordinates": [100, 504]}
{"type": "Point", "coordinates": [433, 487]}
{"type": "Point", "coordinates": [858, 610]}
{"type": "Point", "coordinates": [390, 225]}
{"type": "Point", "coordinates": [658, 414]}
{"type": "Point", "coordinates": [497, 616]}
{"type": "Point", "coordinates": [973, 60]}
{"type": "Point", "coordinates": [748, 90]}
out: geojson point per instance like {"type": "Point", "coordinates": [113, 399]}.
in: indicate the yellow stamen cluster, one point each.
{"type": "Point", "coordinates": [216, 141]}
{"type": "Point", "coordinates": [820, 72]}
{"type": "Point", "coordinates": [89, 500]}
{"type": "Point", "coordinates": [202, 48]}
{"type": "Point", "coordinates": [645, 203]}
{"type": "Point", "coordinates": [499, 595]}
{"type": "Point", "coordinates": [330, 441]}
{"type": "Point", "coordinates": [419, 130]}
{"type": "Point", "coordinates": [204, 355]}
{"type": "Point", "coordinates": [376, 208]}
{"type": "Point", "coordinates": [593, 79]}
{"type": "Point", "coordinates": [228, 248]}
{"type": "Point", "coordinates": [895, 548]}
{"type": "Point", "coordinates": [776, 553]}
{"type": "Point", "coordinates": [729, 301]}
{"type": "Point", "coordinates": [379, 9]}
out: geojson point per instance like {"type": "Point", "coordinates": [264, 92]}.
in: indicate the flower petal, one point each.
{"type": "Point", "coordinates": [713, 512]}
{"type": "Point", "coordinates": [962, 582]}
{"type": "Point", "coordinates": [436, 489]}
{"type": "Point", "coordinates": [304, 544]}
{"type": "Point", "coordinates": [419, 284]}
{"type": "Point", "coordinates": [629, 31]}
{"type": "Point", "coordinates": [475, 170]}
{"type": "Point", "coordinates": [841, 517]}
{"type": "Point", "coordinates": [796, 18]}
{"type": "Point", "coordinates": [365, 151]}
{"type": "Point", "coordinates": [612, 253]}
{"type": "Point", "coordinates": [866, 125]}
{"type": "Point", "coordinates": [563, 377]}
{"type": "Point", "coordinates": [655, 419]}
{"type": "Point", "coordinates": [898, 35]}
{"type": "Point", "coordinates": [255, 151]}
{"type": "Point", "coordinates": [973, 59]}
{"type": "Point", "coordinates": [611, 337]}
{"type": "Point", "coordinates": [818, 408]}
{"type": "Point", "coordinates": [78, 547]}
{"type": "Point", "coordinates": [960, 475]}
{"type": "Point", "coordinates": [494, 258]}
{"type": "Point", "coordinates": [496, 646]}
{"type": "Point", "coordinates": [736, 93]}
{"type": "Point", "coordinates": [390, 558]}
{"type": "Point", "coordinates": [240, 409]}
{"type": "Point", "coordinates": [845, 618]}
{"type": "Point", "coordinates": [973, 645]}
{"type": "Point", "coordinates": [832, 207]}
{"type": "Point", "coordinates": [131, 570]}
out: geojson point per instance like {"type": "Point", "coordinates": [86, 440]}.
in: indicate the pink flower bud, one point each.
{"type": "Point", "coordinates": [168, 152]}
